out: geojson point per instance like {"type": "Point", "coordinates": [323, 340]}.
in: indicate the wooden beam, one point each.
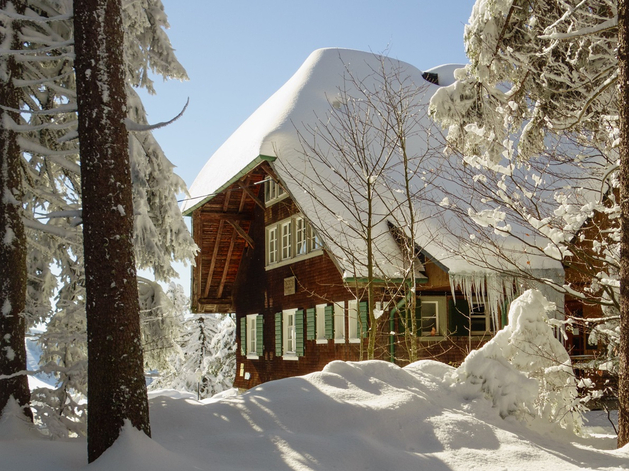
{"type": "Point", "coordinates": [241, 232]}
{"type": "Point", "coordinates": [247, 190]}
{"type": "Point", "coordinates": [226, 216]}
{"type": "Point", "coordinates": [227, 197]}
{"type": "Point", "coordinates": [243, 198]}
{"type": "Point", "coordinates": [215, 305]}
{"type": "Point", "coordinates": [226, 267]}
{"type": "Point", "coordinates": [206, 292]}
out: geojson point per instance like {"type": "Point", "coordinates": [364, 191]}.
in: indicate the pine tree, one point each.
{"type": "Point", "coordinates": [116, 389]}
{"type": "Point", "coordinates": [13, 383]}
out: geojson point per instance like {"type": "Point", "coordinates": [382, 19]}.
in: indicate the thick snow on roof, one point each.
{"type": "Point", "coordinates": [289, 126]}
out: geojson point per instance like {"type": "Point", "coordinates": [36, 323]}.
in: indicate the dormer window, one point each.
{"type": "Point", "coordinates": [273, 191]}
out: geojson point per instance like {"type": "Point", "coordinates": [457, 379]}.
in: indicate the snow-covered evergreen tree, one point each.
{"type": "Point", "coordinates": [51, 174]}
{"type": "Point", "coordinates": [206, 364]}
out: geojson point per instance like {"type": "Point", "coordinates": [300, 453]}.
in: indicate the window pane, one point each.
{"type": "Point", "coordinates": [430, 318]}
{"type": "Point", "coordinates": [339, 321]}
{"type": "Point", "coordinates": [320, 321]}
{"type": "Point", "coordinates": [272, 245]}
{"type": "Point", "coordinates": [478, 317]}
{"type": "Point", "coordinates": [287, 241]}
{"type": "Point", "coordinates": [301, 243]}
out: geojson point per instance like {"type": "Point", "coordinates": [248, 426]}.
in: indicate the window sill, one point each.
{"type": "Point", "coordinates": [339, 340]}
{"type": "Point", "coordinates": [322, 341]}
{"type": "Point", "coordinates": [251, 356]}
{"type": "Point", "coordinates": [299, 258]}
{"type": "Point", "coordinates": [271, 202]}
{"type": "Point", "coordinates": [290, 357]}
{"type": "Point", "coordinates": [351, 340]}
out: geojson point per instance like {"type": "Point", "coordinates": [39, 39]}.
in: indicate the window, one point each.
{"type": "Point", "coordinates": [273, 191]}
{"type": "Point", "coordinates": [271, 244]}
{"type": "Point", "coordinates": [430, 318]}
{"type": "Point", "coordinates": [320, 322]}
{"type": "Point", "coordinates": [480, 321]}
{"type": "Point", "coordinates": [287, 240]}
{"type": "Point", "coordinates": [352, 319]}
{"type": "Point", "coordinates": [314, 241]}
{"type": "Point", "coordinates": [290, 239]}
{"type": "Point", "coordinates": [339, 323]}
{"type": "Point", "coordinates": [289, 332]}
{"type": "Point", "coordinates": [301, 240]}
{"type": "Point", "coordinates": [252, 337]}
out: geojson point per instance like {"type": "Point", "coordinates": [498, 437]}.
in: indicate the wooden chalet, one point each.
{"type": "Point", "coordinates": [297, 304]}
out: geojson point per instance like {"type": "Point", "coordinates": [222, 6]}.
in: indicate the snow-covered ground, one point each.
{"type": "Point", "coordinates": [351, 416]}
{"type": "Point", "coordinates": [497, 412]}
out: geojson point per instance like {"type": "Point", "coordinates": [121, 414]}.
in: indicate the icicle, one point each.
{"type": "Point", "coordinates": [492, 289]}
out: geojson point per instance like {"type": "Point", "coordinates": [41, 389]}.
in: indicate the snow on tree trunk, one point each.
{"type": "Point", "coordinates": [116, 388]}
{"type": "Point", "coordinates": [12, 235]}
{"type": "Point", "coordinates": [524, 370]}
{"type": "Point", "coordinates": [623, 105]}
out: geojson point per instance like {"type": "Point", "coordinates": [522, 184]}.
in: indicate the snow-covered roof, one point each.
{"type": "Point", "coordinates": [276, 132]}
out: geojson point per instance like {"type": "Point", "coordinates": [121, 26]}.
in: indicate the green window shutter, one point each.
{"type": "Point", "coordinates": [311, 324]}
{"type": "Point", "coordinates": [278, 334]}
{"type": "Point", "coordinates": [243, 335]}
{"type": "Point", "coordinates": [299, 332]}
{"type": "Point", "coordinates": [363, 318]}
{"type": "Point", "coordinates": [458, 317]}
{"type": "Point", "coordinates": [329, 322]}
{"type": "Point", "coordinates": [260, 335]}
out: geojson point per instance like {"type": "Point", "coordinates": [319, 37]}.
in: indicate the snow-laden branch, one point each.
{"type": "Point", "coordinates": [606, 25]}
{"type": "Point", "coordinates": [61, 109]}
{"type": "Point", "coordinates": [41, 50]}
{"type": "Point", "coordinates": [54, 230]}
{"type": "Point", "coordinates": [36, 19]}
{"type": "Point", "coordinates": [136, 127]}
{"type": "Point", "coordinates": [70, 213]}
{"type": "Point", "coordinates": [52, 155]}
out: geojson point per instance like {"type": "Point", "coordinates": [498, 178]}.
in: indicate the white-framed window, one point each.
{"type": "Point", "coordinates": [339, 322]}
{"type": "Point", "coordinates": [271, 245]}
{"type": "Point", "coordinates": [287, 239]}
{"type": "Point", "coordinates": [252, 347]}
{"type": "Point", "coordinates": [301, 239]}
{"type": "Point", "coordinates": [273, 191]}
{"type": "Point", "coordinates": [352, 321]}
{"type": "Point", "coordinates": [480, 320]}
{"type": "Point", "coordinates": [314, 242]}
{"type": "Point", "coordinates": [291, 239]}
{"type": "Point", "coordinates": [320, 323]}
{"type": "Point", "coordinates": [289, 333]}
{"type": "Point", "coordinates": [430, 318]}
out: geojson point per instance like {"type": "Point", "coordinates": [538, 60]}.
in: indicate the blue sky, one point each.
{"type": "Point", "coordinates": [238, 53]}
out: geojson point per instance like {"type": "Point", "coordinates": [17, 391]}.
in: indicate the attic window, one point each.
{"type": "Point", "coordinates": [273, 191]}
{"type": "Point", "coordinates": [431, 77]}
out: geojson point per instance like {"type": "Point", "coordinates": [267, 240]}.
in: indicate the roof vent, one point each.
{"type": "Point", "coordinates": [431, 77]}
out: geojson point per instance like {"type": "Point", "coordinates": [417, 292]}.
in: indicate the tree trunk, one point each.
{"type": "Point", "coordinates": [116, 386]}
{"type": "Point", "coordinates": [12, 235]}
{"type": "Point", "coordinates": [623, 106]}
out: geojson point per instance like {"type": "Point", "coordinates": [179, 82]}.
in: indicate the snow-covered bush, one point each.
{"type": "Point", "coordinates": [524, 370]}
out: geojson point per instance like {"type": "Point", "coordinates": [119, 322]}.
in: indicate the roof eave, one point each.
{"type": "Point", "coordinates": [252, 165]}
